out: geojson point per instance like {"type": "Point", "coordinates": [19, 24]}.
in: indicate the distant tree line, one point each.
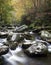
{"type": "Point", "coordinates": [29, 12]}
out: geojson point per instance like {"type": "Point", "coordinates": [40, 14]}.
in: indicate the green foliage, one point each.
{"type": "Point", "coordinates": [24, 12]}
{"type": "Point", "coordinates": [47, 16]}
{"type": "Point", "coordinates": [5, 8]}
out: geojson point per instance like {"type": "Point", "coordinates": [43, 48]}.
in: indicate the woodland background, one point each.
{"type": "Point", "coordinates": [34, 13]}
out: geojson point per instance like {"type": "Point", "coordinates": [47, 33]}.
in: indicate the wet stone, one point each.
{"type": "Point", "coordinates": [13, 45]}
{"type": "Point", "coordinates": [36, 48]}
{"type": "Point", "coordinates": [4, 49]}
{"type": "Point", "coordinates": [45, 35]}
{"type": "Point", "coordinates": [26, 44]}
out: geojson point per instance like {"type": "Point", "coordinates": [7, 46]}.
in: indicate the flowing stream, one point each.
{"type": "Point", "coordinates": [18, 57]}
{"type": "Point", "coordinates": [15, 57]}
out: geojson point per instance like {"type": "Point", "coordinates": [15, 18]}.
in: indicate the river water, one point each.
{"type": "Point", "coordinates": [17, 57]}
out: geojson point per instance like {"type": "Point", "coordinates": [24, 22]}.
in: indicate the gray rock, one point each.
{"type": "Point", "coordinates": [26, 44]}
{"type": "Point", "coordinates": [3, 49]}
{"type": "Point", "coordinates": [37, 47]}
{"type": "Point", "coordinates": [3, 34]}
{"type": "Point", "coordinates": [21, 28]}
{"type": "Point", "coordinates": [13, 45]}
{"type": "Point", "coordinates": [12, 41]}
{"type": "Point", "coordinates": [45, 35]}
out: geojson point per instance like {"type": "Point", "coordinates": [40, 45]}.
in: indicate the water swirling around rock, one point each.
{"type": "Point", "coordinates": [17, 57]}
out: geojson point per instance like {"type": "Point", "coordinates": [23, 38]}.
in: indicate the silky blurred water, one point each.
{"type": "Point", "coordinates": [17, 57]}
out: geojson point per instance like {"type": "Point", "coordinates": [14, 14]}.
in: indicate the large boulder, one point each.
{"type": "Point", "coordinates": [3, 34]}
{"type": "Point", "coordinates": [45, 35]}
{"type": "Point", "coordinates": [15, 37]}
{"type": "Point", "coordinates": [21, 28]}
{"type": "Point", "coordinates": [14, 40]}
{"type": "Point", "coordinates": [37, 47]}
